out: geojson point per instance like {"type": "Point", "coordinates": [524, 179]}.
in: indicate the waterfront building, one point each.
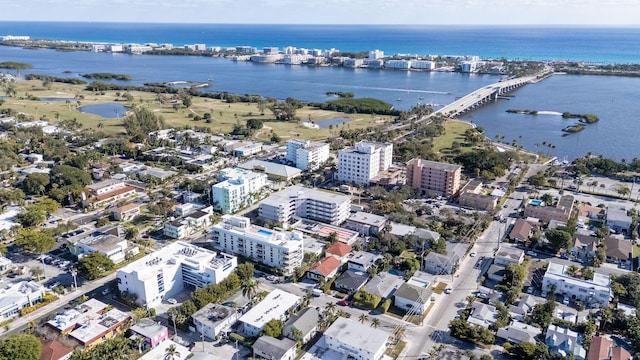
{"type": "Point", "coordinates": [173, 268]}
{"type": "Point", "coordinates": [276, 305]}
{"type": "Point", "coordinates": [356, 340]}
{"type": "Point", "coordinates": [307, 155]}
{"type": "Point", "coordinates": [594, 292]}
{"type": "Point", "coordinates": [363, 162]}
{"type": "Point", "coordinates": [272, 247]}
{"type": "Point", "coordinates": [398, 64]}
{"type": "Point", "coordinates": [237, 188]}
{"type": "Point", "coordinates": [353, 63]}
{"type": "Point", "coordinates": [297, 201]}
{"type": "Point", "coordinates": [434, 178]}
{"type": "Point", "coordinates": [376, 54]}
{"type": "Point", "coordinates": [423, 64]}
{"type": "Point", "coordinates": [468, 66]}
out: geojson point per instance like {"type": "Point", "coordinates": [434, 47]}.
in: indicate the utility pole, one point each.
{"type": "Point", "coordinates": [74, 274]}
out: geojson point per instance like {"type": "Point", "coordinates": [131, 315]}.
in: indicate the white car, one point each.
{"type": "Point", "coordinates": [172, 301]}
{"type": "Point", "coordinates": [106, 291]}
{"type": "Point", "coordinates": [473, 254]}
{"type": "Point", "coordinates": [448, 290]}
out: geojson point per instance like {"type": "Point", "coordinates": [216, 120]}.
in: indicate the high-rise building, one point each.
{"type": "Point", "coordinates": [307, 155]}
{"type": "Point", "coordinates": [237, 188]}
{"type": "Point", "coordinates": [434, 178]}
{"type": "Point", "coordinates": [361, 163]}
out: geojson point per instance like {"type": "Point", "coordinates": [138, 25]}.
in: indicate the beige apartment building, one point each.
{"type": "Point", "coordinates": [434, 178]}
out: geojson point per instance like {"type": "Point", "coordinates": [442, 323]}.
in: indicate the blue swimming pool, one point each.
{"type": "Point", "coordinates": [535, 202]}
{"type": "Point", "coordinates": [264, 232]}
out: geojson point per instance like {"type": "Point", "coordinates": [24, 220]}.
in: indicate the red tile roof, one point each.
{"type": "Point", "coordinates": [54, 350]}
{"type": "Point", "coordinates": [618, 353]}
{"type": "Point", "coordinates": [599, 348]}
{"type": "Point", "coordinates": [120, 191]}
{"type": "Point", "coordinates": [326, 266]}
{"type": "Point", "coordinates": [339, 249]}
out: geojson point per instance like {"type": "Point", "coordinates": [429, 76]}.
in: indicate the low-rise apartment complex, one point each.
{"type": "Point", "coordinates": [282, 206]}
{"type": "Point", "coordinates": [594, 292]}
{"type": "Point", "coordinates": [173, 268]}
{"type": "Point", "coordinates": [278, 248]}
{"type": "Point", "coordinates": [561, 212]}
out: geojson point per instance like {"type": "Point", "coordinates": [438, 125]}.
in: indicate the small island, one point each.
{"type": "Point", "coordinates": [582, 118]}
{"type": "Point", "coordinates": [12, 65]}
{"type": "Point", "coordinates": [340, 94]}
{"type": "Point", "coordinates": [107, 76]}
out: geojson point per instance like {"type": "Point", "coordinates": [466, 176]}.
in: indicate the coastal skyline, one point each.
{"type": "Point", "coordinates": [410, 12]}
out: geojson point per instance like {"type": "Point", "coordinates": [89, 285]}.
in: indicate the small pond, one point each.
{"type": "Point", "coordinates": [108, 110]}
{"type": "Point", "coordinates": [325, 123]}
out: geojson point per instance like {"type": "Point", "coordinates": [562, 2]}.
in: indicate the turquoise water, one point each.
{"type": "Point", "coordinates": [535, 202]}
{"type": "Point", "coordinates": [264, 232]}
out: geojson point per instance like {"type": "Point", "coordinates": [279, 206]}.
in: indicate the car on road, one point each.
{"type": "Point", "coordinates": [505, 206]}
{"type": "Point", "coordinates": [448, 290]}
{"type": "Point", "coordinates": [272, 278]}
{"type": "Point", "coordinates": [172, 301]}
{"type": "Point", "coordinates": [106, 291]}
{"type": "Point", "coordinates": [566, 300]}
{"type": "Point", "coordinates": [530, 290]}
{"type": "Point", "coordinates": [343, 303]}
{"type": "Point", "coordinates": [532, 253]}
{"type": "Point", "coordinates": [473, 254]}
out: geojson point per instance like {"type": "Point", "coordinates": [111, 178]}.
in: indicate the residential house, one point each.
{"type": "Point", "coordinates": [521, 231]}
{"type": "Point", "coordinates": [351, 281]}
{"type": "Point", "coordinates": [496, 272]}
{"type": "Point", "coordinates": [618, 219]}
{"type": "Point", "coordinates": [565, 342]}
{"type": "Point", "coordinates": [424, 237]}
{"type": "Point", "coordinates": [482, 314]}
{"type": "Point", "coordinates": [601, 348]}
{"type": "Point", "coordinates": [151, 331]}
{"type": "Point", "coordinates": [619, 250]}
{"type": "Point", "coordinates": [5, 264]}
{"type": "Point", "coordinates": [325, 268]}
{"type": "Point", "coordinates": [588, 212]}
{"type": "Point", "coordinates": [412, 298]}
{"type": "Point", "coordinates": [267, 347]}
{"type": "Point", "coordinates": [584, 246]}
{"type": "Point", "coordinates": [366, 223]}
{"type": "Point", "coordinates": [508, 255]}
{"type": "Point", "coordinates": [355, 340]}
{"type": "Point", "coordinates": [518, 332]}
{"type": "Point", "coordinates": [276, 305]}
{"type": "Point", "coordinates": [439, 264]}
{"type": "Point", "coordinates": [448, 354]}
{"type": "Point", "coordinates": [306, 324]}
{"type": "Point", "coordinates": [55, 350]}
{"type": "Point", "coordinates": [126, 212]}
{"type": "Point", "coordinates": [214, 319]}
{"type": "Point", "coordinates": [472, 195]}
{"type": "Point", "coordinates": [384, 285]}
{"type": "Point", "coordinates": [339, 250]}
{"type": "Point", "coordinates": [160, 352]}
{"type": "Point", "coordinates": [362, 261]}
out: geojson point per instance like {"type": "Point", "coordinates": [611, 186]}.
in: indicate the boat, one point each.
{"type": "Point", "coordinates": [398, 99]}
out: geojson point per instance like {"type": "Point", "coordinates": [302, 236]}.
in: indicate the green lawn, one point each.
{"type": "Point", "coordinates": [454, 132]}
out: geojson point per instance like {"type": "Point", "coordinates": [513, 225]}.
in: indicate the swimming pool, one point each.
{"type": "Point", "coordinates": [535, 202]}
{"type": "Point", "coordinates": [264, 232]}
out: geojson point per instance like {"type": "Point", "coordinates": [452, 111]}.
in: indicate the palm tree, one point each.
{"type": "Point", "coordinates": [171, 353]}
{"type": "Point", "coordinates": [138, 341]}
{"type": "Point", "coordinates": [363, 317]}
{"type": "Point", "coordinates": [400, 333]}
{"type": "Point", "coordinates": [375, 323]}
{"type": "Point", "coordinates": [249, 289]}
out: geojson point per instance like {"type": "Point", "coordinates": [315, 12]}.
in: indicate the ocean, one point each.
{"type": "Point", "coordinates": [590, 44]}
{"type": "Point", "coordinates": [613, 99]}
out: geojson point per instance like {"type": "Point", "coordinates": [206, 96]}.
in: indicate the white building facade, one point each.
{"type": "Point", "coordinates": [362, 162]}
{"type": "Point", "coordinates": [238, 188]}
{"type": "Point", "coordinates": [356, 340]}
{"type": "Point", "coordinates": [307, 155]}
{"type": "Point", "coordinates": [593, 293]}
{"type": "Point", "coordinates": [278, 248]}
{"type": "Point", "coordinates": [173, 268]}
{"type": "Point", "coordinates": [296, 200]}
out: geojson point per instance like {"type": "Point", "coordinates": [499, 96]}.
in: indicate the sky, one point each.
{"type": "Point", "coordinates": [410, 12]}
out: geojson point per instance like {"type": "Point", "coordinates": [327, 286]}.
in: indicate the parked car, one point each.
{"type": "Point", "coordinates": [473, 254]}
{"type": "Point", "coordinates": [566, 300]}
{"type": "Point", "coordinates": [172, 301]}
{"type": "Point", "coordinates": [448, 290]}
{"type": "Point", "coordinates": [564, 257]}
{"type": "Point", "coordinates": [106, 291]}
{"type": "Point", "coordinates": [530, 290]}
{"type": "Point", "coordinates": [343, 303]}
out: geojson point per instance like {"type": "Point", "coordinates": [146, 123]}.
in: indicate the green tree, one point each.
{"type": "Point", "coordinates": [249, 289]}
{"type": "Point", "coordinates": [171, 353]}
{"type": "Point", "coordinates": [363, 318]}
{"type": "Point", "coordinates": [65, 175]}
{"type": "Point", "coordinates": [36, 183]}
{"type": "Point", "coordinates": [273, 328]}
{"type": "Point", "coordinates": [559, 239]}
{"type": "Point", "coordinates": [102, 222]}
{"type": "Point", "coordinates": [35, 242]}
{"type": "Point", "coordinates": [245, 271]}
{"type": "Point", "coordinates": [20, 347]}
{"type": "Point", "coordinates": [375, 323]}
{"type": "Point", "coordinates": [141, 122]}
{"type": "Point", "coordinates": [94, 265]}
{"type": "Point", "coordinates": [11, 196]}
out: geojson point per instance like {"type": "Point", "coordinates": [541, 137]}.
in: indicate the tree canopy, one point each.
{"type": "Point", "coordinates": [94, 265]}
{"type": "Point", "coordinates": [20, 347]}
{"type": "Point", "coordinates": [139, 124]}
{"type": "Point", "coordinates": [34, 241]}
{"type": "Point", "coordinates": [559, 239]}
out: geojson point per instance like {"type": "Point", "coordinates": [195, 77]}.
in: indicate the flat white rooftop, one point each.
{"type": "Point", "coordinates": [274, 306]}
{"type": "Point", "coordinates": [357, 335]}
{"type": "Point", "coordinates": [558, 272]}
{"type": "Point", "coordinates": [298, 192]}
